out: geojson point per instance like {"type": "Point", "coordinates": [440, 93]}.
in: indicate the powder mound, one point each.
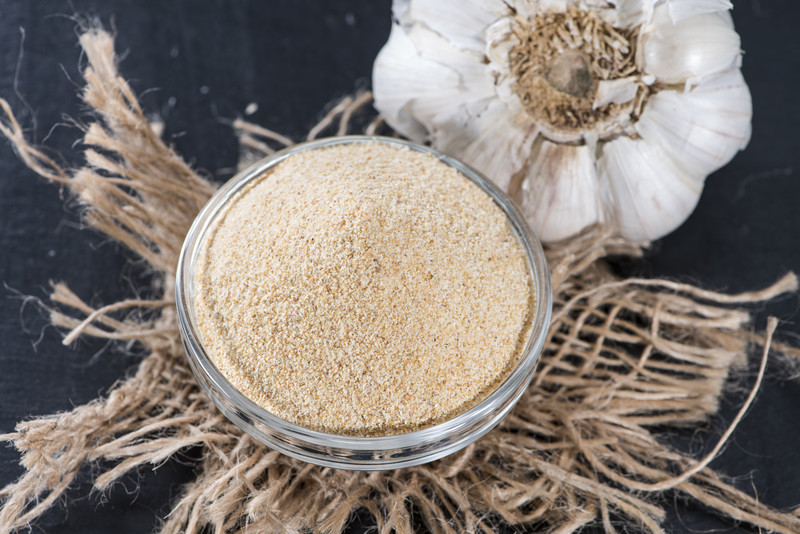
{"type": "Point", "coordinates": [363, 289]}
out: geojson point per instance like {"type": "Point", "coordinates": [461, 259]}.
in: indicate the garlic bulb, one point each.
{"type": "Point", "coordinates": [585, 111]}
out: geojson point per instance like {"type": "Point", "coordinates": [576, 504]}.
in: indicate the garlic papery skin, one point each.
{"type": "Point", "coordinates": [584, 111]}
{"type": "Point", "coordinates": [619, 91]}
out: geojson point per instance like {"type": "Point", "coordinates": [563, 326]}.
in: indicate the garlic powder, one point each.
{"type": "Point", "coordinates": [363, 289]}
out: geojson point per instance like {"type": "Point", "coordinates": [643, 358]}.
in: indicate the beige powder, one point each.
{"type": "Point", "coordinates": [363, 289]}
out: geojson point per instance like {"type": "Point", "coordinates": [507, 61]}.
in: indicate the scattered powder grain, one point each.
{"type": "Point", "coordinates": [363, 289]}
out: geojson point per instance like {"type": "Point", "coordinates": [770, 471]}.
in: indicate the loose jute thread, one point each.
{"type": "Point", "coordinates": [623, 357]}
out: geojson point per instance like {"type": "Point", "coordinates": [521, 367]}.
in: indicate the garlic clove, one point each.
{"type": "Point", "coordinates": [407, 84]}
{"type": "Point", "coordinates": [648, 193]}
{"type": "Point", "coordinates": [617, 91]}
{"type": "Point", "coordinates": [560, 190]}
{"type": "Point", "coordinates": [704, 127]}
{"type": "Point", "coordinates": [462, 21]}
{"type": "Point", "coordinates": [691, 49]}
{"type": "Point", "coordinates": [475, 140]}
{"type": "Point", "coordinates": [681, 9]}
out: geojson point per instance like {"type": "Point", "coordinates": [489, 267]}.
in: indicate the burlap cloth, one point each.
{"type": "Point", "coordinates": [624, 358]}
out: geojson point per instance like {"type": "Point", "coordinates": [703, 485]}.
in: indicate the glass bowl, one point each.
{"type": "Point", "coordinates": [356, 452]}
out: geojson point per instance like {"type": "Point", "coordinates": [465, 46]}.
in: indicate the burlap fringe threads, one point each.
{"type": "Point", "coordinates": [623, 357]}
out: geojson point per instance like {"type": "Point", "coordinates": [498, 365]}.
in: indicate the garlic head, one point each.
{"type": "Point", "coordinates": [585, 111]}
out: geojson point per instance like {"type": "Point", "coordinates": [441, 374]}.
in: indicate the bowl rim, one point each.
{"type": "Point", "coordinates": [522, 371]}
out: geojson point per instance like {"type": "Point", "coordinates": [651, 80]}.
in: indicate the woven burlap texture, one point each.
{"type": "Point", "coordinates": [623, 357]}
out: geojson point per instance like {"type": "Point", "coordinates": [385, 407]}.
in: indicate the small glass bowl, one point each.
{"type": "Point", "coordinates": [355, 452]}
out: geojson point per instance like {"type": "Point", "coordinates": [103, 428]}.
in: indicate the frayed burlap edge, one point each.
{"type": "Point", "coordinates": [623, 357]}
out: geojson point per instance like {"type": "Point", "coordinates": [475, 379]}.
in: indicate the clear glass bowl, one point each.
{"type": "Point", "coordinates": [355, 452]}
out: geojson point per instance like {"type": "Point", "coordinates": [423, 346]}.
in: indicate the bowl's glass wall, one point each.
{"type": "Point", "coordinates": [353, 452]}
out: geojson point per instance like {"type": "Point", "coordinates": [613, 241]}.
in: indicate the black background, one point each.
{"type": "Point", "coordinates": [198, 64]}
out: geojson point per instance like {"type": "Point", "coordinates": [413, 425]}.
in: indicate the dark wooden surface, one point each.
{"type": "Point", "coordinates": [199, 64]}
